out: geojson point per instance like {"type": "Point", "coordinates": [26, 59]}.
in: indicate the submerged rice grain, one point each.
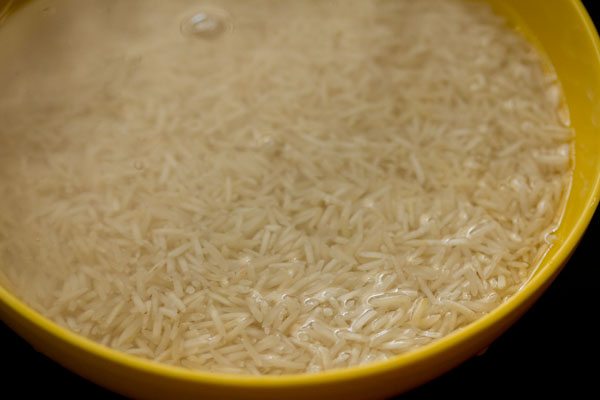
{"type": "Point", "coordinates": [320, 186]}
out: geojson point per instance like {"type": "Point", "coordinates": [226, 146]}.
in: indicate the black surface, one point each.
{"type": "Point", "coordinates": [551, 350]}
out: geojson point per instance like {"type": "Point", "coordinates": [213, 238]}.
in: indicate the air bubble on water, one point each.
{"type": "Point", "coordinates": [425, 219]}
{"type": "Point", "coordinates": [550, 238]}
{"type": "Point", "coordinates": [139, 165]}
{"type": "Point", "coordinates": [343, 356]}
{"type": "Point", "coordinates": [202, 23]}
{"type": "Point", "coordinates": [311, 302]}
{"type": "Point", "coordinates": [190, 289]}
{"type": "Point", "coordinates": [327, 311]}
{"type": "Point", "coordinates": [245, 259]}
{"type": "Point", "coordinates": [349, 303]}
{"type": "Point", "coordinates": [207, 23]}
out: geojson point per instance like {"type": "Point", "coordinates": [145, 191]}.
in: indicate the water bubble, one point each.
{"type": "Point", "coordinates": [311, 302]}
{"type": "Point", "coordinates": [342, 357]}
{"type": "Point", "coordinates": [550, 238]}
{"type": "Point", "coordinates": [204, 23]}
{"type": "Point", "coordinates": [425, 219]}
{"type": "Point", "coordinates": [207, 23]}
{"type": "Point", "coordinates": [245, 259]}
{"type": "Point", "coordinates": [313, 368]}
{"type": "Point", "coordinates": [190, 289]}
{"type": "Point", "coordinates": [139, 165]}
{"type": "Point", "coordinates": [269, 145]}
{"type": "Point", "coordinates": [328, 312]}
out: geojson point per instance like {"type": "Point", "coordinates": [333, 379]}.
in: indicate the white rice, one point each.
{"type": "Point", "coordinates": [317, 186]}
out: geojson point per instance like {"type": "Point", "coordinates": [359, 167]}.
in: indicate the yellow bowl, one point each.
{"type": "Point", "coordinates": [564, 31]}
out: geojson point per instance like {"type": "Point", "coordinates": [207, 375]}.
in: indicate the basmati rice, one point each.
{"type": "Point", "coordinates": [319, 185]}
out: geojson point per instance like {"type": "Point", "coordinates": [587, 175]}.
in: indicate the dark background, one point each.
{"type": "Point", "coordinates": [551, 350]}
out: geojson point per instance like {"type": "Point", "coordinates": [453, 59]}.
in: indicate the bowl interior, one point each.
{"type": "Point", "coordinates": [563, 31]}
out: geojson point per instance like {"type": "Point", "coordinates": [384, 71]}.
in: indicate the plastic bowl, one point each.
{"type": "Point", "coordinates": [564, 31]}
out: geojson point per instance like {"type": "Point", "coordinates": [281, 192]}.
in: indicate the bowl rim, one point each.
{"type": "Point", "coordinates": [544, 274]}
